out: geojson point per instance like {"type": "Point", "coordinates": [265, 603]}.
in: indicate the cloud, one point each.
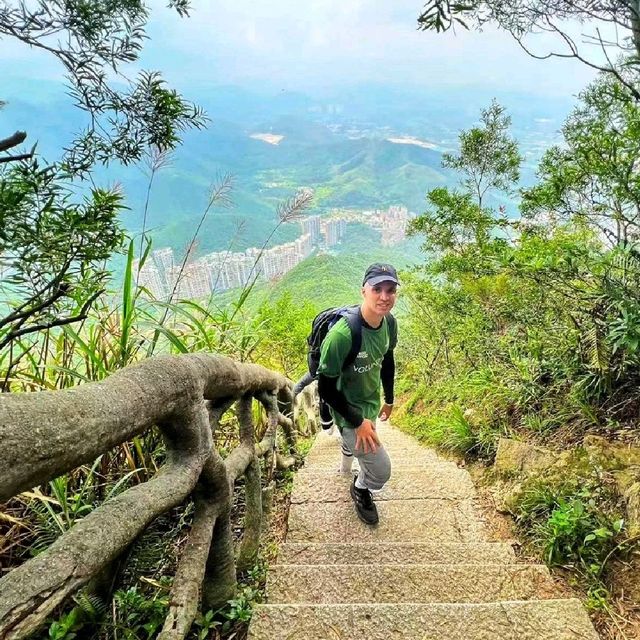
{"type": "Point", "coordinates": [340, 42]}
{"type": "Point", "coordinates": [329, 43]}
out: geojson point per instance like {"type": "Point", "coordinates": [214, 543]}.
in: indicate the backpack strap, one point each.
{"type": "Point", "coordinates": [392, 325]}
{"type": "Point", "coordinates": [354, 320]}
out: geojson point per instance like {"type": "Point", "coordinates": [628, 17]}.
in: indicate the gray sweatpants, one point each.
{"type": "Point", "coordinates": [375, 468]}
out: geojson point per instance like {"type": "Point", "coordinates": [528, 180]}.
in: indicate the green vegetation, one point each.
{"type": "Point", "coordinates": [540, 313]}
{"type": "Point", "coordinates": [527, 326]}
{"type": "Point", "coordinates": [54, 236]}
{"type": "Point", "coordinates": [60, 326]}
{"type": "Point", "coordinates": [571, 516]}
{"type": "Point", "coordinates": [521, 19]}
{"type": "Point", "coordinates": [566, 521]}
{"type": "Point", "coordinates": [334, 279]}
{"type": "Point", "coordinates": [532, 326]}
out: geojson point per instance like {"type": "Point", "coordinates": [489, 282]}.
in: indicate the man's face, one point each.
{"type": "Point", "coordinates": [379, 298]}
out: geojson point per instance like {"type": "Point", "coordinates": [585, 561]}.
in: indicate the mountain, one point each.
{"type": "Point", "coordinates": [339, 144]}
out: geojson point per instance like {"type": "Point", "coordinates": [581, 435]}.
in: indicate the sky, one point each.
{"type": "Point", "coordinates": [324, 45]}
{"type": "Point", "coordinates": [329, 43]}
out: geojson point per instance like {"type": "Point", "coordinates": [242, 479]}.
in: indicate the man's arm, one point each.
{"type": "Point", "coordinates": [387, 376]}
{"type": "Point", "coordinates": [366, 438]}
{"type": "Point", "coordinates": [329, 392]}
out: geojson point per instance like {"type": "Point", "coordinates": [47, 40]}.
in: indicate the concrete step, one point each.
{"type": "Point", "coordinates": [389, 583]}
{"type": "Point", "coordinates": [400, 521]}
{"type": "Point", "coordinates": [533, 620]}
{"type": "Point", "coordinates": [395, 553]}
{"type": "Point", "coordinates": [323, 441]}
{"type": "Point", "coordinates": [408, 485]}
{"type": "Point", "coordinates": [331, 460]}
{"type": "Point", "coordinates": [398, 456]}
{"type": "Point", "coordinates": [386, 435]}
{"type": "Point", "coordinates": [390, 443]}
{"type": "Point", "coordinates": [332, 467]}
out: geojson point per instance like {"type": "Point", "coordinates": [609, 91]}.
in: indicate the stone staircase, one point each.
{"type": "Point", "coordinates": [426, 572]}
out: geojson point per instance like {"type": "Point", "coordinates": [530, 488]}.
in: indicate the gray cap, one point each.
{"type": "Point", "coordinates": [380, 272]}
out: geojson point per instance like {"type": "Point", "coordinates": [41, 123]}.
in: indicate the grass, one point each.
{"type": "Point", "coordinates": [571, 517]}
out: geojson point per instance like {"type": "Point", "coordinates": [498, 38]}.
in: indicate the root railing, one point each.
{"type": "Point", "coordinates": [46, 434]}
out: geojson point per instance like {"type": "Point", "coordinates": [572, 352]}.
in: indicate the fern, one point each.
{"type": "Point", "coordinates": [598, 352]}
{"type": "Point", "coordinates": [92, 606]}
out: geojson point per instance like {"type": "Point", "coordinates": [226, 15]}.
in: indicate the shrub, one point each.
{"type": "Point", "coordinates": [571, 518]}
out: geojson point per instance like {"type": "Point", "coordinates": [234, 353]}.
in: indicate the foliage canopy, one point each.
{"type": "Point", "coordinates": [615, 23]}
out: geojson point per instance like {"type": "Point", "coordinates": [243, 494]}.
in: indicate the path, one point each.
{"type": "Point", "coordinates": [426, 572]}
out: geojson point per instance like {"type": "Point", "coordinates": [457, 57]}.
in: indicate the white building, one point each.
{"type": "Point", "coordinates": [333, 231]}
{"type": "Point", "coordinates": [192, 283]}
{"type": "Point", "coordinates": [150, 279]}
{"type": "Point", "coordinates": [164, 259]}
{"type": "Point", "coordinates": [304, 246]}
{"type": "Point", "coordinates": [311, 226]}
{"type": "Point", "coordinates": [393, 224]}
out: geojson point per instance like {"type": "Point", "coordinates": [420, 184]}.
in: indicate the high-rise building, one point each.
{"type": "Point", "coordinates": [393, 224]}
{"type": "Point", "coordinates": [217, 266]}
{"type": "Point", "coordinates": [192, 283]}
{"type": "Point", "coordinates": [239, 269]}
{"type": "Point", "coordinates": [149, 278]}
{"type": "Point", "coordinates": [163, 259]}
{"type": "Point", "coordinates": [311, 225]}
{"type": "Point", "coordinates": [303, 246]}
{"type": "Point", "coordinates": [333, 231]}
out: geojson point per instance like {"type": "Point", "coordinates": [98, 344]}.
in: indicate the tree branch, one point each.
{"type": "Point", "coordinates": [58, 322]}
{"type": "Point", "coordinates": [13, 141]}
{"type": "Point", "coordinates": [21, 312]}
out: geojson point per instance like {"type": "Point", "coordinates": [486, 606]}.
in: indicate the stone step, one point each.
{"type": "Point", "coordinates": [390, 438]}
{"type": "Point", "coordinates": [403, 461]}
{"type": "Point", "coordinates": [332, 467]}
{"type": "Point", "coordinates": [395, 553]}
{"type": "Point", "coordinates": [401, 583]}
{"type": "Point", "coordinates": [533, 620]}
{"type": "Point", "coordinates": [400, 456]}
{"type": "Point", "coordinates": [393, 445]}
{"type": "Point", "coordinates": [432, 520]}
{"type": "Point", "coordinates": [410, 485]}
{"type": "Point", "coordinates": [383, 432]}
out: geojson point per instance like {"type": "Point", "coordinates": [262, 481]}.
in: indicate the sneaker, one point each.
{"type": "Point", "coordinates": [365, 507]}
{"type": "Point", "coordinates": [327, 426]}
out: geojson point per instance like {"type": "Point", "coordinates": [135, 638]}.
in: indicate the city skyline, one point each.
{"type": "Point", "coordinates": [219, 271]}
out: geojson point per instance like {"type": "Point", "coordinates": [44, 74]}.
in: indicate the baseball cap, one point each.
{"type": "Point", "coordinates": [379, 272]}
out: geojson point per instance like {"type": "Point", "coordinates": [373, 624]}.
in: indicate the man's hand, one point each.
{"type": "Point", "coordinates": [385, 412]}
{"type": "Point", "coordinates": [366, 437]}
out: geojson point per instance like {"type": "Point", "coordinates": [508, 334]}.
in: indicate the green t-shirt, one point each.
{"type": "Point", "coordinates": [360, 382]}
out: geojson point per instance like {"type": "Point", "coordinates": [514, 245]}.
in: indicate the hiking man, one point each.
{"type": "Point", "coordinates": [353, 392]}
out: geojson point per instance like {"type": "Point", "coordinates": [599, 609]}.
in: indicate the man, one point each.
{"type": "Point", "coordinates": [354, 393]}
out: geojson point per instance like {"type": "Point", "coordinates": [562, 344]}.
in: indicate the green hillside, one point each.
{"type": "Point", "coordinates": [347, 160]}
{"type": "Point", "coordinates": [359, 173]}
{"type": "Point", "coordinates": [334, 279]}
{"type": "Point", "coordinates": [329, 279]}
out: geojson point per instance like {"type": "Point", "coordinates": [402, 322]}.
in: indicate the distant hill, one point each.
{"type": "Point", "coordinates": [344, 173]}
{"type": "Point", "coordinates": [337, 144]}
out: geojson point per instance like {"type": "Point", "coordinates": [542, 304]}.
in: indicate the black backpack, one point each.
{"type": "Point", "coordinates": [326, 319]}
